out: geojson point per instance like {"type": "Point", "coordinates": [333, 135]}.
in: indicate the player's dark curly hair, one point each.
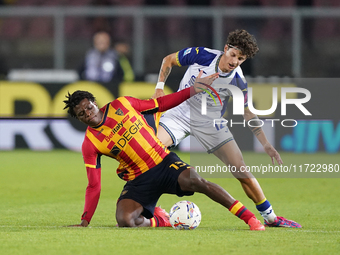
{"type": "Point", "coordinates": [74, 99]}
{"type": "Point", "coordinates": [244, 41]}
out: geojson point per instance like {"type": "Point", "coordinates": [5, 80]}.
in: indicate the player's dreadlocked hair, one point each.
{"type": "Point", "coordinates": [74, 99]}
{"type": "Point", "coordinates": [243, 41]}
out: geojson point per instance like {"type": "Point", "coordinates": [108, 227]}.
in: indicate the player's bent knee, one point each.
{"type": "Point", "coordinates": [125, 221]}
{"type": "Point", "coordinates": [245, 177]}
{"type": "Point", "coordinates": [127, 212]}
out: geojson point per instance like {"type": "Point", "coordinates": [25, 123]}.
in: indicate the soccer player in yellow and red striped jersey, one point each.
{"type": "Point", "coordinates": [125, 130]}
{"type": "Point", "coordinates": [126, 136]}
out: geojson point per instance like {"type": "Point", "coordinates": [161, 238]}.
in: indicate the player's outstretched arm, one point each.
{"type": "Point", "coordinates": [169, 101]}
{"type": "Point", "coordinates": [261, 136]}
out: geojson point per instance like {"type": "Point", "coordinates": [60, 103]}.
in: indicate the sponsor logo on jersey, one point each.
{"type": "Point", "coordinates": [128, 134]}
{"type": "Point", "coordinates": [124, 192]}
{"type": "Point", "coordinates": [119, 112]}
{"type": "Point", "coordinates": [117, 127]}
{"type": "Point", "coordinates": [115, 150]}
{"type": "Point", "coordinates": [187, 51]}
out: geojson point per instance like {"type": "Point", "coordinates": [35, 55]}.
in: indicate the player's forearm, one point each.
{"type": "Point", "coordinates": [169, 101]}
{"type": "Point", "coordinates": [167, 64]}
{"type": "Point", "coordinates": [261, 136]}
{"type": "Point", "coordinates": [255, 126]}
{"type": "Point", "coordinates": [92, 193]}
{"type": "Point", "coordinates": [91, 202]}
{"type": "Point", "coordinates": [165, 68]}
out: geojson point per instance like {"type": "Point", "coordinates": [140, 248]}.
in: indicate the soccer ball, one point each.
{"type": "Point", "coordinates": [185, 215]}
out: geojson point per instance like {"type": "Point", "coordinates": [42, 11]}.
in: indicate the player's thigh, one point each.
{"type": "Point", "coordinates": [176, 127]}
{"type": "Point", "coordinates": [211, 137]}
{"type": "Point", "coordinates": [164, 136]}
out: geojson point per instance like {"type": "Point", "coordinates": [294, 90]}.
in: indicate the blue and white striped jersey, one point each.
{"type": "Point", "coordinates": [205, 59]}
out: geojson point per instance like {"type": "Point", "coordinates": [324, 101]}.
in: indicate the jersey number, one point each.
{"type": "Point", "coordinates": [178, 164]}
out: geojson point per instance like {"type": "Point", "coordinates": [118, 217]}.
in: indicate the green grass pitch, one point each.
{"type": "Point", "coordinates": [42, 192]}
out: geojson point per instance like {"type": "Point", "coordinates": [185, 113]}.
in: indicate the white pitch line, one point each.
{"type": "Point", "coordinates": [4, 226]}
{"type": "Point", "coordinates": [290, 229]}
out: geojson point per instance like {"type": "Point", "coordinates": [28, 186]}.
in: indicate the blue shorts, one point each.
{"type": "Point", "coordinates": [161, 179]}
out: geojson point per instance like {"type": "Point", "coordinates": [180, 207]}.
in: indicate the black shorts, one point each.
{"type": "Point", "coordinates": [161, 179]}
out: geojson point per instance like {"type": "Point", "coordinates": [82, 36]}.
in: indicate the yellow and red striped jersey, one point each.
{"type": "Point", "coordinates": [126, 135]}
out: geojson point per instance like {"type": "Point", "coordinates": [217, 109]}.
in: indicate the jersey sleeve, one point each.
{"type": "Point", "coordinates": [163, 103]}
{"type": "Point", "coordinates": [93, 169]}
{"type": "Point", "coordinates": [194, 55]}
{"type": "Point", "coordinates": [90, 154]}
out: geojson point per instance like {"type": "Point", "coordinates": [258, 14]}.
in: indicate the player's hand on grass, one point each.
{"type": "Point", "coordinates": [83, 223]}
{"type": "Point", "coordinates": [273, 154]}
{"type": "Point", "coordinates": [202, 83]}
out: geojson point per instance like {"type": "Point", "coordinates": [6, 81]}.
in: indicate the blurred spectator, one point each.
{"type": "Point", "coordinates": [101, 63]}
{"type": "Point", "coordinates": [122, 47]}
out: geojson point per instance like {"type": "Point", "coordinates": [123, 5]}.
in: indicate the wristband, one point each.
{"type": "Point", "coordinates": [160, 85]}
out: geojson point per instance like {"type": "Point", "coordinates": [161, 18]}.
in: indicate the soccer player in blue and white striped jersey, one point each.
{"type": "Point", "coordinates": [187, 118]}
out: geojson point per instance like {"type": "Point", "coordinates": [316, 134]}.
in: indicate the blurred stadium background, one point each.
{"type": "Point", "coordinates": [43, 42]}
